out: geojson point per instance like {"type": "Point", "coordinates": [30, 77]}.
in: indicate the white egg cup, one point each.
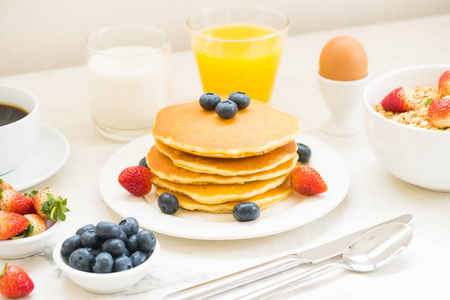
{"type": "Point", "coordinates": [345, 101]}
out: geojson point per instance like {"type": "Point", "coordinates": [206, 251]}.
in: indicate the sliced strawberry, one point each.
{"type": "Point", "coordinates": [439, 113]}
{"type": "Point", "coordinates": [306, 180]}
{"type": "Point", "coordinates": [401, 99]}
{"type": "Point", "coordinates": [136, 180]}
{"type": "Point", "coordinates": [444, 84]}
{"type": "Point", "coordinates": [11, 224]}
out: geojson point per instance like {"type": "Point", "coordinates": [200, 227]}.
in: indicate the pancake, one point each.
{"type": "Point", "coordinates": [162, 166]}
{"type": "Point", "coordinates": [263, 200]}
{"type": "Point", "coordinates": [255, 130]}
{"type": "Point", "coordinates": [216, 193]}
{"type": "Point", "coordinates": [230, 166]}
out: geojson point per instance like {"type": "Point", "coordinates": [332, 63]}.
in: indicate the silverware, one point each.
{"type": "Point", "coordinates": [369, 252]}
{"type": "Point", "coordinates": [312, 256]}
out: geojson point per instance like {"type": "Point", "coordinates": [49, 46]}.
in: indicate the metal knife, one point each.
{"type": "Point", "coordinates": [313, 256]}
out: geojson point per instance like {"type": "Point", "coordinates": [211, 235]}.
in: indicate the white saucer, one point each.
{"type": "Point", "coordinates": [46, 159]}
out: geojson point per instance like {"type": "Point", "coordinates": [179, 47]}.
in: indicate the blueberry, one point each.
{"type": "Point", "coordinates": [82, 259]}
{"type": "Point", "coordinates": [138, 258]}
{"type": "Point", "coordinates": [85, 228]}
{"type": "Point", "coordinates": [90, 239]}
{"type": "Point", "coordinates": [146, 240]}
{"type": "Point", "coordinates": [115, 247]}
{"type": "Point", "coordinates": [168, 203]}
{"type": "Point", "coordinates": [242, 100]}
{"type": "Point", "coordinates": [132, 245]}
{"type": "Point", "coordinates": [122, 263]}
{"type": "Point", "coordinates": [103, 263]}
{"type": "Point", "coordinates": [304, 153]}
{"type": "Point", "coordinates": [108, 230]}
{"type": "Point", "coordinates": [126, 252]}
{"type": "Point", "coordinates": [130, 225]}
{"type": "Point", "coordinates": [209, 101]}
{"type": "Point", "coordinates": [123, 236]}
{"type": "Point", "coordinates": [226, 109]}
{"type": "Point", "coordinates": [143, 162]}
{"type": "Point", "coordinates": [96, 251]}
{"type": "Point", "coordinates": [71, 244]}
{"type": "Point", "coordinates": [246, 211]}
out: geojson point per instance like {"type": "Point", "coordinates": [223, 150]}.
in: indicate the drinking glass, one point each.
{"type": "Point", "coordinates": [129, 79]}
{"type": "Point", "coordinates": [238, 49]}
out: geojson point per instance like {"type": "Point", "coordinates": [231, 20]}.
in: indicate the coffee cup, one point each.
{"type": "Point", "coordinates": [19, 126]}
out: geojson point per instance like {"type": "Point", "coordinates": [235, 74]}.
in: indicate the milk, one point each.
{"type": "Point", "coordinates": [128, 85]}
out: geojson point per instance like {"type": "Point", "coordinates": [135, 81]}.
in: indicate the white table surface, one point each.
{"type": "Point", "coordinates": [374, 195]}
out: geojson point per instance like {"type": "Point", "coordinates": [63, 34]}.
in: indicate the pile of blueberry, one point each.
{"type": "Point", "coordinates": [225, 109]}
{"type": "Point", "coordinates": [109, 247]}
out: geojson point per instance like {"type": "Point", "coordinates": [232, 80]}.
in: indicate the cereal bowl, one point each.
{"type": "Point", "coordinates": [105, 283]}
{"type": "Point", "coordinates": [21, 248]}
{"type": "Point", "coordinates": [416, 155]}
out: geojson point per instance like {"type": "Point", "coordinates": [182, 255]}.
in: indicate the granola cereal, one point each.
{"type": "Point", "coordinates": [417, 117]}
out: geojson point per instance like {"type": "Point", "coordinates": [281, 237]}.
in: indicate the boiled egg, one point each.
{"type": "Point", "coordinates": [343, 59]}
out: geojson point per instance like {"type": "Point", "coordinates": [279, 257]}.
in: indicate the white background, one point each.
{"type": "Point", "coordinates": [47, 34]}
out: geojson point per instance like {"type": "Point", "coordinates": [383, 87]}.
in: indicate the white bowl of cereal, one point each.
{"type": "Point", "coordinates": [405, 143]}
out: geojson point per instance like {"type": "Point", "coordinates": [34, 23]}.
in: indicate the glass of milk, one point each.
{"type": "Point", "coordinates": [129, 79]}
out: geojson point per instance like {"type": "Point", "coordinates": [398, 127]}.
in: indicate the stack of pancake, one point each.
{"type": "Point", "coordinates": [211, 164]}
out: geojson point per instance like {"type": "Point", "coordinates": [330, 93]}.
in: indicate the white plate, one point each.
{"type": "Point", "coordinates": [286, 215]}
{"type": "Point", "coordinates": [46, 159]}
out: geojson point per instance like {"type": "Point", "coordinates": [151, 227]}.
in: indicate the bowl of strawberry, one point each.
{"type": "Point", "coordinates": [107, 257]}
{"type": "Point", "coordinates": [407, 123]}
{"type": "Point", "coordinates": [28, 221]}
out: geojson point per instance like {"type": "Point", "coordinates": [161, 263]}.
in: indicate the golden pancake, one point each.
{"type": "Point", "coordinates": [230, 166]}
{"type": "Point", "coordinates": [255, 130]}
{"type": "Point", "coordinates": [163, 167]}
{"type": "Point", "coordinates": [216, 193]}
{"type": "Point", "coordinates": [263, 200]}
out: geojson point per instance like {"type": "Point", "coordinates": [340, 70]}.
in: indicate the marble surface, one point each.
{"type": "Point", "coordinates": [374, 194]}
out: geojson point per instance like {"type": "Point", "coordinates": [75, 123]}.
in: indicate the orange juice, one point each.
{"type": "Point", "coordinates": [238, 57]}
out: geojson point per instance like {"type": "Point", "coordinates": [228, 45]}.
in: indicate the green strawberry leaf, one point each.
{"type": "Point", "coordinates": [55, 208]}
{"type": "Point", "coordinates": [32, 194]}
{"type": "Point", "coordinates": [428, 102]}
{"type": "Point", "coordinates": [29, 231]}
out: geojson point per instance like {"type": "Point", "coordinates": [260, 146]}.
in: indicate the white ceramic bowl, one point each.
{"type": "Point", "coordinates": [105, 283]}
{"type": "Point", "coordinates": [13, 249]}
{"type": "Point", "coordinates": [415, 155]}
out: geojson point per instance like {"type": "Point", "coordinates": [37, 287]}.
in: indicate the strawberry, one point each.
{"type": "Point", "coordinates": [11, 200]}
{"type": "Point", "coordinates": [15, 282]}
{"type": "Point", "coordinates": [400, 100]}
{"type": "Point", "coordinates": [136, 180]}
{"type": "Point", "coordinates": [444, 84]}
{"type": "Point", "coordinates": [5, 186]}
{"type": "Point", "coordinates": [439, 113]}
{"type": "Point", "coordinates": [306, 180]}
{"type": "Point", "coordinates": [49, 204]}
{"type": "Point", "coordinates": [11, 224]}
{"type": "Point", "coordinates": [37, 224]}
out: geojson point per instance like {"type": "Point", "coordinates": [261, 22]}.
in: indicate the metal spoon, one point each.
{"type": "Point", "coordinates": [369, 252]}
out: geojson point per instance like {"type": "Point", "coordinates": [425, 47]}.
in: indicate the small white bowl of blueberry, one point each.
{"type": "Point", "coordinates": [108, 257]}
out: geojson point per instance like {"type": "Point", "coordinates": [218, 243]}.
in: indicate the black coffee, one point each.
{"type": "Point", "coordinates": [10, 113]}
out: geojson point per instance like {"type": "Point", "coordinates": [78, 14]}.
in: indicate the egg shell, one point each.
{"type": "Point", "coordinates": [343, 59]}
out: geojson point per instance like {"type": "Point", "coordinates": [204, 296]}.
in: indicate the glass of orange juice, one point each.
{"type": "Point", "coordinates": [238, 49]}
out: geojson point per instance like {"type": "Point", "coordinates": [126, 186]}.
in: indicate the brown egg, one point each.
{"type": "Point", "coordinates": [344, 59]}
